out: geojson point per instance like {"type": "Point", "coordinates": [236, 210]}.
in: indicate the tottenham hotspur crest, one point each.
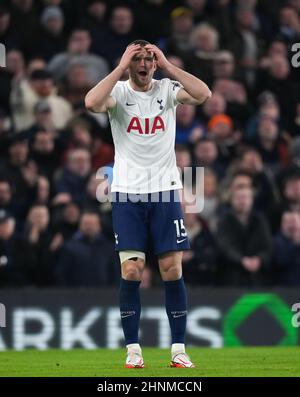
{"type": "Point", "coordinates": [160, 104]}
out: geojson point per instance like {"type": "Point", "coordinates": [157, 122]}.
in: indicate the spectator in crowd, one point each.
{"type": "Point", "coordinates": [289, 24]}
{"type": "Point", "coordinates": [277, 79]}
{"type": "Point", "coordinates": [7, 200]}
{"type": "Point", "coordinates": [81, 136]}
{"type": "Point", "coordinates": [206, 155]}
{"type": "Point", "coordinates": [75, 85]}
{"type": "Point", "coordinates": [67, 220]}
{"type": "Point", "coordinates": [72, 181]}
{"type": "Point", "coordinates": [239, 180]}
{"type": "Point", "coordinates": [96, 199]}
{"type": "Point", "coordinates": [25, 19]}
{"type": "Point", "coordinates": [37, 235]}
{"type": "Point", "coordinates": [178, 41]}
{"type": "Point", "coordinates": [267, 107]}
{"type": "Point", "coordinates": [6, 196]}
{"type": "Point", "coordinates": [65, 224]}
{"type": "Point", "coordinates": [14, 253]}
{"type": "Point", "coordinates": [220, 129]}
{"type": "Point", "coordinates": [8, 34]}
{"type": "Point", "coordinates": [184, 160]}
{"type": "Point", "coordinates": [44, 153]}
{"type": "Point", "coordinates": [204, 42]}
{"type": "Point", "coordinates": [15, 63]}
{"type": "Point", "coordinates": [10, 75]}
{"type": "Point", "coordinates": [250, 161]}
{"type": "Point", "coordinates": [88, 259]}
{"type": "Point", "coordinates": [119, 34]}
{"type": "Point", "coordinates": [43, 192]}
{"type": "Point", "coordinates": [95, 18]}
{"type": "Point", "coordinates": [286, 258]}
{"type": "Point", "coordinates": [270, 145]}
{"type": "Point", "coordinates": [244, 243]}
{"type": "Point", "coordinates": [21, 172]}
{"type": "Point", "coordinates": [211, 199]}
{"type": "Point", "coordinates": [35, 63]}
{"type": "Point", "coordinates": [78, 53]}
{"type": "Point", "coordinates": [198, 8]}
{"type": "Point", "coordinates": [4, 131]}
{"type": "Point", "coordinates": [102, 153]}
{"type": "Point", "coordinates": [276, 48]}
{"type": "Point", "coordinates": [20, 82]}
{"type": "Point", "coordinates": [214, 106]}
{"type": "Point", "coordinates": [25, 96]}
{"type": "Point", "coordinates": [51, 36]}
{"type": "Point", "coordinates": [149, 11]}
{"type": "Point", "coordinates": [244, 40]}
{"type": "Point", "coordinates": [224, 65]}
{"type": "Point", "coordinates": [235, 94]}
{"type": "Point", "coordinates": [290, 199]}
{"type": "Point", "coordinates": [188, 128]}
{"type": "Point", "coordinates": [293, 166]}
{"type": "Point", "coordinates": [199, 264]}
{"type": "Point", "coordinates": [43, 120]}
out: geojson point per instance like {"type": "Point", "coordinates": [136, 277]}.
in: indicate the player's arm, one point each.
{"type": "Point", "coordinates": [194, 91]}
{"type": "Point", "coordinates": [98, 99]}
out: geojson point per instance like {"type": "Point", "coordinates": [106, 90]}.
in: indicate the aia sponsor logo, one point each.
{"type": "Point", "coordinates": [146, 126]}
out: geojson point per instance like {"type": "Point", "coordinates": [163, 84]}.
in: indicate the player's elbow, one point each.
{"type": "Point", "coordinates": [208, 94]}
{"type": "Point", "coordinates": [89, 103]}
{"type": "Point", "coordinates": [205, 96]}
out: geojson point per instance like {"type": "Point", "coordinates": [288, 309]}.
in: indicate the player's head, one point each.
{"type": "Point", "coordinates": [142, 65]}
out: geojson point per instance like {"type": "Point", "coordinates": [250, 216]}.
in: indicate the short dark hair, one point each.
{"type": "Point", "coordinates": [292, 177]}
{"type": "Point", "coordinates": [141, 42]}
{"type": "Point", "coordinates": [41, 74]}
{"type": "Point", "coordinates": [180, 148]}
{"type": "Point", "coordinates": [239, 173]}
{"type": "Point", "coordinates": [3, 180]}
{"type": "Point", "coordinates": [205, 139]}
{"type": "Point", "coordinates": [90, 211]}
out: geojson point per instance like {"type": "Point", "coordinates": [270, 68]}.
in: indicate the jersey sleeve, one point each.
{"type": "Point", "coordinates": [174, 87]}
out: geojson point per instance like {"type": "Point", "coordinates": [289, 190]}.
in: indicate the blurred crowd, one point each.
{"type": "Point", "coordinates": [54, 231]}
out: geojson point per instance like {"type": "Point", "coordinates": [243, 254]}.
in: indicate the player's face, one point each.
{"type": "Point", "coordinates": [142, 68]}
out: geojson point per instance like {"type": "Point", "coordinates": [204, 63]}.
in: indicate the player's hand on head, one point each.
{"type": "Point", "coordinates": [128, 54]}
{"type": "Point", "coordinates": [162, 61]}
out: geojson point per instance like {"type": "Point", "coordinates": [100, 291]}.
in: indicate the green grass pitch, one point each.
{"type": "Point", "coordinates": [249, 361]}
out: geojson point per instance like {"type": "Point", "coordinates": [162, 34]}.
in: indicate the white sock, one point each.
{"type": "Point", "coordinates": [177, 348]}
{"type": "Point", "coordinates": [134, 347]}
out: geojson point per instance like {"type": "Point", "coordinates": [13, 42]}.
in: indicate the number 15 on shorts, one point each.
{"type": "Point", "coordinates": [180, 230]}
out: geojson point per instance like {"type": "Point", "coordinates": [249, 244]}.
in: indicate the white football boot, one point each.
{"type": "Point", "coordinates": [179, 357]}
{"type": "Point", "coordinates": [134, 356]}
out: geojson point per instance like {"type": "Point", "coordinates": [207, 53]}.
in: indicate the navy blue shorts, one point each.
{"type": "Point", "coordinates": [136, 223]}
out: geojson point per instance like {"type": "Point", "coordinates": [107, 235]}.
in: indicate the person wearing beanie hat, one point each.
{"type": "Point", "coordinates": [223, 119]}
{"type": "Point", "coordinates": [51, 13]}
{"type": "Point", "coordinates": [220, 128]}
{"type": "Point", "coordinates": [52, 38]}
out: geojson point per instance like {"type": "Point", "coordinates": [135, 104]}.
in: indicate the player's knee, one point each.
{"type": "Point", "coordinates": [132, 270]}
{"type": "Point", "coordinates": [171, 272]}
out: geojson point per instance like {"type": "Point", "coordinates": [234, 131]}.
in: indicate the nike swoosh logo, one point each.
{"type": "Point", "coordinates": [180, 241]}
{"type": "Point", "coordinates": [128, 315]}
{"type": "Point", "coordinates": [179, 315]}
{"type": "Point", "coordinates": [129, 104]}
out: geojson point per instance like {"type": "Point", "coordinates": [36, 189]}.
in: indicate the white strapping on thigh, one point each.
{"type": "Point", "coordinates": [125, 255]}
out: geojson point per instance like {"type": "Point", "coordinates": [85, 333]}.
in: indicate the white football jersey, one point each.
{"type": "Point", "coordinates": [143, 129]}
